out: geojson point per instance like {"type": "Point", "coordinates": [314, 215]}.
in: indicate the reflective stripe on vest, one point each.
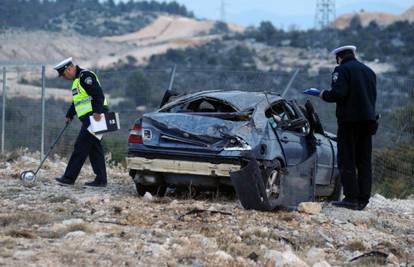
{"type": "Point", "coordinates": [81, 99]}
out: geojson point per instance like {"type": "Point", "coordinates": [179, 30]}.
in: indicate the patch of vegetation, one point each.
{"type": "Point", "coordinates": [386, 44]}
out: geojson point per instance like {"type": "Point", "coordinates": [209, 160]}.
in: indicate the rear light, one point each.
{"type": "Point", "coordinates": [135, 134]}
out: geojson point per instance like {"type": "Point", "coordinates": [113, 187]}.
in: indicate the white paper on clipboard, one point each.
{"type": "Point", "coordinates": [96, 126]}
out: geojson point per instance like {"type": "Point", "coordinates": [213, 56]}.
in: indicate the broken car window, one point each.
{"type": "Point", "coordinates": [282, 114]}
{"type": "Point", "coordinates": [203, 105]}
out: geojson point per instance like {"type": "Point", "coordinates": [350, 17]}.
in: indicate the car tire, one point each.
{"type": "Point", "coordinates": [155, 190]}
{"type": "Point", "coordinates": [272, 185]}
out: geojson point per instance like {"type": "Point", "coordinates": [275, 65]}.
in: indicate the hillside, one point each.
{"type": "Point", "coordinates": [165, 32]}
{"type": "Point", "coordinates": [87, 17]}
{"type": "Point", "coordinates": [365, 18]}
{"type": "Point", "coordinates": [53, 225]}
{"type": "Point", "coordinates": [51, 47]}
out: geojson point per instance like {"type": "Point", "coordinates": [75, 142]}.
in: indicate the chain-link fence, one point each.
{"type": "Point", "coordinates": [132, 92]}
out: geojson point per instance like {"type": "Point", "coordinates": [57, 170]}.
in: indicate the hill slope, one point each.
{"type": "Point", "coordinates": [166, 32]}
{"type": "Point", "coordinates": [365, 18]}
{"type": "Point", "coordinates": [88, 17]}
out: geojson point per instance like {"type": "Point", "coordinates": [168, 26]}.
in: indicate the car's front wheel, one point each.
{"type": "Point", "coordinates": [272, 180]}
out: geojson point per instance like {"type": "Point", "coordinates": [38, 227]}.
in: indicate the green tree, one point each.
{"type": "Point", "coordinates": [138, 88]}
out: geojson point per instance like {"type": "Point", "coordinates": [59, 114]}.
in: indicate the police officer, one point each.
{"type": "Point", "coordinates": [353, 89]}
{"type": "Point", "coordinates": [88, 99]}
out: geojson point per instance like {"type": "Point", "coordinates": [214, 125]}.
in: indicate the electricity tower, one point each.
{"type": "Point", "coordinates": [325, 13]}
{"type": "Point", "coordinates": [223, 11]}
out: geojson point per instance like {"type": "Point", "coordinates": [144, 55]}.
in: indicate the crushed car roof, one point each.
{"type": "Point", "coordinates": [240, 99]}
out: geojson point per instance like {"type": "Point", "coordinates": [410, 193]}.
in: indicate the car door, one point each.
{"type": "Point", "coordinates": [293, 140]}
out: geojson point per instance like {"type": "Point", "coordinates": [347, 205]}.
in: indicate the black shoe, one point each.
{"type": "Point", "coordinates": [96, 184]}
{"type": "Point", "coordinates": [65, 180]}
{"type": "Point", "coordinates": [362, 205]}
{"type": "Point", "coordinates": [348, 204]}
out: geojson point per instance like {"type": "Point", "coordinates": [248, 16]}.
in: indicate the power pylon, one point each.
{"type": "Point", "coordinates": [223, 11]}
{"type": "Point", "coordinates": [325, 13]}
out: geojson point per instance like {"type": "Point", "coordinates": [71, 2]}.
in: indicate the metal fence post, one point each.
{"type": "Point", "coordinates": [42, 142]}
{"type": "Point", "coordinates": [3, 117]}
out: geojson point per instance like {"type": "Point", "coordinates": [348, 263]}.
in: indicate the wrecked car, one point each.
{"type": "Point", "coordinates": [271, 151]}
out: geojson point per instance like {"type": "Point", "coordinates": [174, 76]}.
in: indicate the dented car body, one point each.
{"type": "Point", "coordinates": [273, 152]}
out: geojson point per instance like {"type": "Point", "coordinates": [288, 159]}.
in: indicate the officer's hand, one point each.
{"type": "Point", "coordinates": [68, 120]}
{"type": "Point", "coordinates": [97, 116]}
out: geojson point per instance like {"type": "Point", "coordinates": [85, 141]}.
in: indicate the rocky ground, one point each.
{"type": "Point", "coordinates": [51, 225]}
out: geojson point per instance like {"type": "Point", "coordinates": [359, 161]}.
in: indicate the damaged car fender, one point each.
{"type": "Point", "coordinates": [286, 188]}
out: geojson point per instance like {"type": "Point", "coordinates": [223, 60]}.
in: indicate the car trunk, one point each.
{"type": "Point", "coordinates": [192, 131]}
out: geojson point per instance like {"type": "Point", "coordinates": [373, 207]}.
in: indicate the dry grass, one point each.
{"type": "Point", "coordinates": [26, 218]}
{"type": "Point", "coordinates": [23, 233]}
{"type": "Point", "coordinates": [61, 198]}
{"type": "Point", "coordinates": [356, 245]}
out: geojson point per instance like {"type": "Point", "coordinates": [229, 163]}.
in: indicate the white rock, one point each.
{"type": "Point", "coordinates": [310, 207]}
{"type": "Point", "coordinates": [102, 235]}
{"type": "Point", "coordinates": [315, 255]}
{"type": "Point", "coordinates": [379, 197]}
{"type": "Point", "coordinates": [73, 221]}
{"type": "Point", "coordinates": [148, 197]}
{"type": "Point", "coordinates": [156, 250]}
{"type": "Point", "coordinates": [174, 202]}
{"type": "Point", "coordinates": [56, 227]}
{"type": "Point", "coordinates": [273, 255]}
{"type": "Point", "coordinates": [99, 213]}
{"type": "Point", "coordinates": [223, 255]}
{"type": "Point", "coordinates": [23, 254]}
{"type": "Point", "coordinates": [75, 234]}
{"type": "Point", "coordinates": [392, 259]}
{"type": "Point", "coordinates": [321, 264]}
{"type": "Point", "coordinates": [285, 259]}
{"type": "Point", "coordinates": [23, 207]}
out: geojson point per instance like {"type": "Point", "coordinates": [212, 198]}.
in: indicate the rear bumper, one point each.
{"type": "Point", "coordinates": [181, 166]}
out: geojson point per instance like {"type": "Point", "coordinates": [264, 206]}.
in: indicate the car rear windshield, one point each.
{"type": "Point", "coordinates": [201, 105]}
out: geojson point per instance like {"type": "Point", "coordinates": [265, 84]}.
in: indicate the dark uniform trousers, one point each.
{"type": "Point", "coordinates": [354, 142]}
{"type": "Point", "coordinates": [87, 145]}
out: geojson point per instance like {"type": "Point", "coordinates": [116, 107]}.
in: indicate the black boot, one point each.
{"type": "Point", "coordinates": [65, 180]}
{"type": "Point", "coordinates": [362, 205]}
{"type": "Point", "coordinates": [96, 184]}
{"type": "Point", "coordinates": [347, 203]}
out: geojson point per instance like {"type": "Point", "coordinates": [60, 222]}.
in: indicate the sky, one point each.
{"type": "Point", "coordinates": [285, 13]}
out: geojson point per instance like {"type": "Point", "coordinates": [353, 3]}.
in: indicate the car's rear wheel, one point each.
{"type": "Point", "coordinates": [155, 190]}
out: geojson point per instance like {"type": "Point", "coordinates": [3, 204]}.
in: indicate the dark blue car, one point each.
{"type": "Point", "coordinates": [271, 151]}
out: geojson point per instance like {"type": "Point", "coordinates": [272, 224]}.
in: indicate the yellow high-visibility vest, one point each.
{"type": "Point", "coordinates": [81, 99]}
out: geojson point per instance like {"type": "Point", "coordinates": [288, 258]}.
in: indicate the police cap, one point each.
{"type": "Point", "coordinates": [343, 48]}
{"type": "Point", "coordinates": [61, 66]}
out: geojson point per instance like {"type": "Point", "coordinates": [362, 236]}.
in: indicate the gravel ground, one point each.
{"type": "Point", "coordinates": [52, 225]}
